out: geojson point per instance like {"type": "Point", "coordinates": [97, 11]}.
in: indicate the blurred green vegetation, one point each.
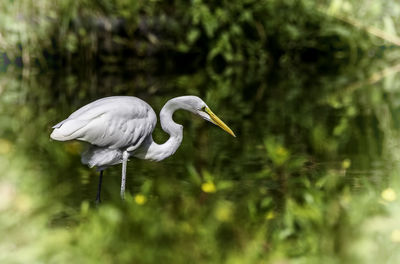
{"type": "Point", "coordinates": [186, 35]}
{"type": "Point", "coordinates": [311, 88]}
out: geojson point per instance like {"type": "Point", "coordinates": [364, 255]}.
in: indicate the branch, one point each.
{"type": "Point", "coordinates": [369, 29]}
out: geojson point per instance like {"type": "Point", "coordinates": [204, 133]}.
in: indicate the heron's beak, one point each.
{"type": "Point", "coordinates": [219, 122]}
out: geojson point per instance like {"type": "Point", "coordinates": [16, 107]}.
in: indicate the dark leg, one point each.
{"type": "Point", "coordinates": [99, 188]}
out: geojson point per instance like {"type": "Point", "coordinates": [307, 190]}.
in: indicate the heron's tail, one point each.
{"type": "Point", "coordinates": [68, 129]}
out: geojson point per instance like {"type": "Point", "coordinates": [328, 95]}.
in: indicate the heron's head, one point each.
{"type": "Point", "coordinates": [197, 106]}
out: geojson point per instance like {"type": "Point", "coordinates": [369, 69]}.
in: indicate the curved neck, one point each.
{"type": "Point", "coordinates": [153, 151]}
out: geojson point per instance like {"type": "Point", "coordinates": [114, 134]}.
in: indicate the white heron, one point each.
{"type": "Point", "coordinates": [119, 127]}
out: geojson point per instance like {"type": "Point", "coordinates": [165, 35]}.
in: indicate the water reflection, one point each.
{"type": "Point", "coordinates": [313, 152]}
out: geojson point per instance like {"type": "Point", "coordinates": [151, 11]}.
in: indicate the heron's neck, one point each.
{"type": "Point", "coordinates": [157, 152]}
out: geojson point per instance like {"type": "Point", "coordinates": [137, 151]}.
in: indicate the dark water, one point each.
{"type": "Point", "coordinates": [310, 144]}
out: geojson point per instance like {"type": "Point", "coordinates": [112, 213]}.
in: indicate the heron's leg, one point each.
{"type": "Point", "coordinates": [99, 188]}
{"type": "Point", "coordinates": [123, 180]}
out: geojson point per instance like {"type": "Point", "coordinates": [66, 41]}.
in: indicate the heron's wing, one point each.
{"type": "Point", "coordinates": [113, 122]}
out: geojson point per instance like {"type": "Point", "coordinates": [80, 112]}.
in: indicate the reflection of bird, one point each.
{"type": "Point", "coordinates": [118, 127]}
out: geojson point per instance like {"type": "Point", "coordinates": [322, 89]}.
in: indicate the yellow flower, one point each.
{"type": "Point", "coordinates": [140, 199]}
{"type": "Point", "coordinates": [281, 151]}
{"type": "Point", "coordinates": [208, 187]}
{"type": "Point", "coordinates": [270, 215]}
{"type": "Point", "coordinates": [5, 146]}
{"type": "Point", "coordinates": [388, 195]}
{"type": "Point", "coordinates": [281, 155]}
{"type": "Point", "coordinates": [346, 164]}
{"type": "Point", "coordinates": [395, 236]}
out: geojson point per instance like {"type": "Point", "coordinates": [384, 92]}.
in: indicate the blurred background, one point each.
{"type": "Point", "coordinates": [311, 89]}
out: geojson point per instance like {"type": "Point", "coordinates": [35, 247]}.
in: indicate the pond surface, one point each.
{"type": "Point", "coordinates": [316, 149]}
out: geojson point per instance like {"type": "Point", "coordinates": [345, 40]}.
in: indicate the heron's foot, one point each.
{"type": "Point", "coordinates": [98, 201]}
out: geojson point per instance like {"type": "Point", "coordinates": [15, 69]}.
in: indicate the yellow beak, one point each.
{"type": "Point", "coordinates": [219, 122]}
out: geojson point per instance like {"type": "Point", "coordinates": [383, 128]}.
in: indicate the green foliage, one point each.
{"type": "Point", "coordinates": [311, 178]}
{"type": "Point", "coordinates": [286, 194]}
{"type": "Point", "coordinates": [259, 33]}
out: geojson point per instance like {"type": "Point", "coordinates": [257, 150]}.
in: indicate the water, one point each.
{"type": "Point", "coordinates": [314, 150]}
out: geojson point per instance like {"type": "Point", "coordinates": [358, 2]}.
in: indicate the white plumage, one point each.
{"type": "Point", "coordinates": [118, 127]}
{"type": "Point", "coordinates": [112, 125]}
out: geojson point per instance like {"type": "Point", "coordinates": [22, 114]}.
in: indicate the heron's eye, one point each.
{"type": "Point", "coordinates": [203, 108]}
